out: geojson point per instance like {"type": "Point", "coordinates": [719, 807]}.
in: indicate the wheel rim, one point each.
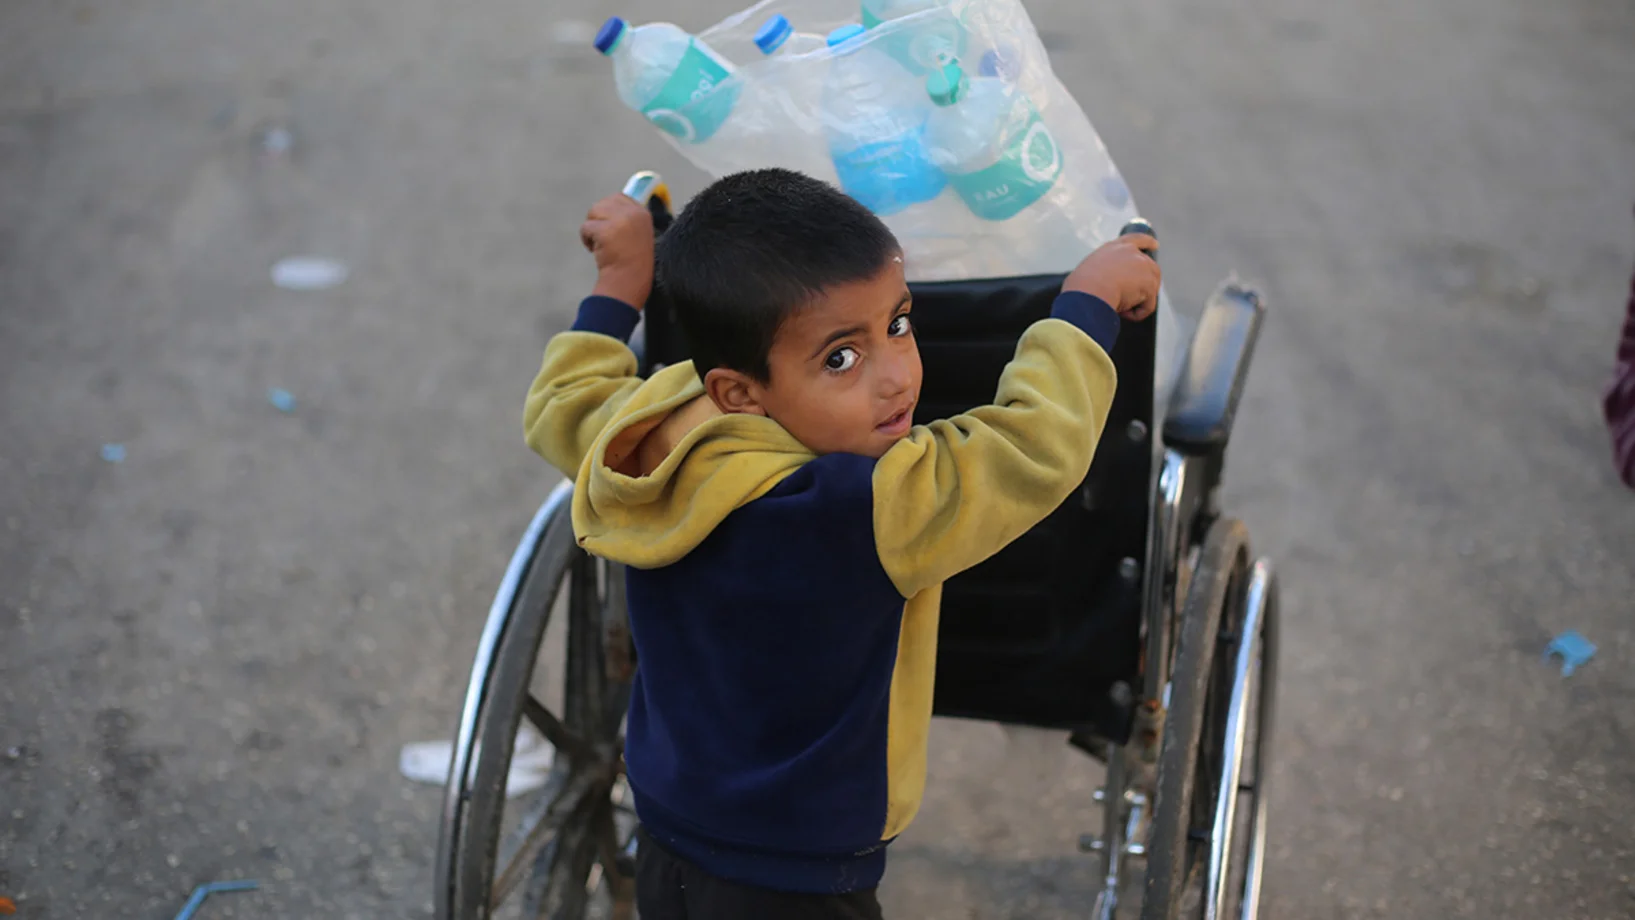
{"type": "Point", "coordinates": [567, 837]}
{"type": "Point", "coordinates": [1216, 751]}
{"type": "Point", "coordinates": [1249, 707]}
{"type": "Point", "coordinates": [1178, 837]}
{"type": "Point", "coordinates": [457, 793]}
{"type": "Point", "coordinates": [561, 851]}
{"type": "Point", "coordinates": [1266, 716]}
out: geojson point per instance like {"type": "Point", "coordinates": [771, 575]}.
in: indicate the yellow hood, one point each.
{"type": "Point", "coordinates": [670, 467]}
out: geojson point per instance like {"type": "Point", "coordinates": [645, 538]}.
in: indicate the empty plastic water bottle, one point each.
{"type": "Point", "coordinates": [681, 84]}
{"type": "Point", "coordinates": [777, 36]}
{"type": "Point", "coordinates": [924, 46]}
{"type": "Point", "coordinates": [875, 122]}
{"type": "Point", "coordinates": [990, 141]}
{"type": "Point", "coordinates": [1003, 62]}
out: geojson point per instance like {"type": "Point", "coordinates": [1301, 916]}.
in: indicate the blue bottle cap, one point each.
{"type": "Point", "coordinates": [946, 84]}
{"type": "Point", "coordinates": [609, 35]}
{"type": "Point", "coordinates": [845, 34]}
{"type": "Point", "coordinates": [999, 62]}
{"type": "Point", "coordinates": [773, 33]}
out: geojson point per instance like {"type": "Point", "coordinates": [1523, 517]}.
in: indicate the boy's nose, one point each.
{"type": "Point", "coordinates": [896, 375]}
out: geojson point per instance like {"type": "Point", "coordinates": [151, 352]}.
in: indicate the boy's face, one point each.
{"type": "Point", "coordinates": [845, 372]}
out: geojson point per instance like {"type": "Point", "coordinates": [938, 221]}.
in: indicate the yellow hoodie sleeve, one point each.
{"type": "Point", "coordinates": [585, 379]}
{"type": "Point", "coordinates": [956, 491]}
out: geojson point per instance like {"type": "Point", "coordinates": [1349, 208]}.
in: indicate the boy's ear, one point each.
{"type": "Point", "coordinates": [734, 393]}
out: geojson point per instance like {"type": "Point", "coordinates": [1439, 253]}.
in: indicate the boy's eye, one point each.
{"type": "Point", "coordinates": [900, 326]}
{"type": "Point", "coordinates": [841, 359]}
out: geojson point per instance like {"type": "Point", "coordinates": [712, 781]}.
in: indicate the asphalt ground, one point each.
{"type": "Point", "coordinates": [211, 652]}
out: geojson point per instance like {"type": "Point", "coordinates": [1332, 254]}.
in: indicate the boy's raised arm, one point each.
{"type": "Point", "coordinates": [587, 375]}
{"type": "Point", "coordinates": [959, 490]}
{"type": "Point", "coordinates": [589, 372]}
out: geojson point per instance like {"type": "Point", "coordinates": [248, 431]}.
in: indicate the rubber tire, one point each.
{"type": "Point", "coordinates": [501, 714]}
{"type": "Point", "coordinates": [1222, 563]}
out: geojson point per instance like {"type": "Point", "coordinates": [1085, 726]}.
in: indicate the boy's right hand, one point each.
{"type": "Point", "coordinates": [619, 232]}
{"type": "Point", "coordinates": [1122, 274]}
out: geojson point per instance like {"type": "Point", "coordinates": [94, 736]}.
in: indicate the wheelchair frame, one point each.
{"type": "Point", "coordinates": [1175, 782]}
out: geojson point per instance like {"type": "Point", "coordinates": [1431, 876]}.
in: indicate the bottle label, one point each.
{"type": "Point", "coordinates": [1022, 175]}
{"type": "Point", "coordinates": [888, 176]}
{"type": "Point", "coordinates": [697, 98]}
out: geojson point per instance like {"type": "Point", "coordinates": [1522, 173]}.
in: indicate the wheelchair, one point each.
{"type": "Point", "coordinates": [1151, 641]}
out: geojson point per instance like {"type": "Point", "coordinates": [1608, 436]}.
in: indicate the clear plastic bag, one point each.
{"type": "Point", "coordinates": [1034, 198]}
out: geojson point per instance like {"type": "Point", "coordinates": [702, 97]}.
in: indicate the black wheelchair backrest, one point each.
{"type": "Point", "coordinates": [1040, 633]}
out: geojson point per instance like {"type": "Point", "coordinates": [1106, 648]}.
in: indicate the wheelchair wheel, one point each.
{"type": "Point", "coordinates": [1205, 851]}
{"type": "Point", "coordinates": [563, 851]}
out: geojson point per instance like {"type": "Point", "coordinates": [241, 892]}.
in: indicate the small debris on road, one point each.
{"type": "Point", "coordinates": [205, 891]}
{"type": "Point", "coordinates": [276, 141]}
{"type": "Point", "coordinates": [531, 758]}
{"type": "Point", "coordinates": [1573, 649]}
{"type": "Point", "coordinates": [308, 273]}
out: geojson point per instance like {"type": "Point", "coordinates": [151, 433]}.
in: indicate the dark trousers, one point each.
{"type": "Point", "coordinates": [671, 888]}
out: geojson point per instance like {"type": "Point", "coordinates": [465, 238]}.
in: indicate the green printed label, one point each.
{"type": "Point", "coordinates": [1022, 175]}
{"type": "Point", "coordinates": [693, 103]}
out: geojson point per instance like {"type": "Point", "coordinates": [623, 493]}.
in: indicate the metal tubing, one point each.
{"type": "Point", "coordinates": [462, 765]}
{"type": "Point", "coordinates": [1245, 668]}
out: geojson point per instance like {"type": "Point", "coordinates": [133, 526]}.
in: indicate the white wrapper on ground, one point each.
{"type": "Point", "coordinates": [531, 759]}
{"type": "Point", "coordinates": [779, 119]}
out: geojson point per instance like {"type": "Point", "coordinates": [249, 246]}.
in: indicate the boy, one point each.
{"type": "Point", "coordinates": [788, 528]}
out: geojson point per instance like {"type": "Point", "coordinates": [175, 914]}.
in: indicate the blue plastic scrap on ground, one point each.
{"type": "Point", "coordinates": [1574, 650]}
{"type": "Point", "coordinates": [282, 400]}
{"type": "Point", "coordinates": [113, 453]}
{"type": "Point", "coordinates": [205, 891]}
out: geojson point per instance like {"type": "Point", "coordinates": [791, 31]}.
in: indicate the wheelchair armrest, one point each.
{"type": "Point", "coordinates": [1206, 394]}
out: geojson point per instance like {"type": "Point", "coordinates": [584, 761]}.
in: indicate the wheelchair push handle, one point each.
{"type": "Point", "coordinates": [648, 188]}
{"type": "Point", "coordinates": [1141, 225]}
{"type": "Point", "coordinates": [646, 185]}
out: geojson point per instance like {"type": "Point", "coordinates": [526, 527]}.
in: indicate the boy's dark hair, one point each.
{"type": "Point", "coordinates": [754, 247]}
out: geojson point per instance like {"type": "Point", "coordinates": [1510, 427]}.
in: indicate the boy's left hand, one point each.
{"type": "Point", "coordinates": [619, 232]}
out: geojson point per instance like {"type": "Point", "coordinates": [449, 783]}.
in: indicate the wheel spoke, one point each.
{"type": "Point", "coordinates": [554, 731]}
{"type": "Point", "coordinates": [557, 889]}
{"type": "Point", "coordinates": [565, 794]}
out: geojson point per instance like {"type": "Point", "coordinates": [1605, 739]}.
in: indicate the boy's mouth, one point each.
{"type": "Point", "coordinates": [897, 424]}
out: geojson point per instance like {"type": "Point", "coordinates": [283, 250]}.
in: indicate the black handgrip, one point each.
{"type": "Point", "coordinates": [1141, 225]}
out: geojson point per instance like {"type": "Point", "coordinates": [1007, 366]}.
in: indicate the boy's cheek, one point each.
{"type": "Point", "coordinates": [836, 428]}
